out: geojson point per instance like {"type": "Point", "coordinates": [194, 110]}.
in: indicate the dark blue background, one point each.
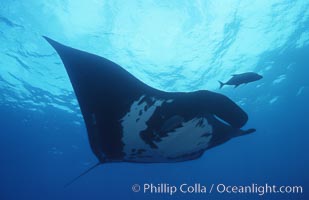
{"type": "Point", "coordinates": [276, 154]}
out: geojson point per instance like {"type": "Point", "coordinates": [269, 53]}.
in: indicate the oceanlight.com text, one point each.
{"type": "Point", "coordinates": [198, 188]}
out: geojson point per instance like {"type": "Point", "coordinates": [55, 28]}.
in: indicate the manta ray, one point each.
{"type": "Point", "coordinates": [130, 121]}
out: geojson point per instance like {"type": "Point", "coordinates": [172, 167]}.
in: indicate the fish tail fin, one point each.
{"type": "Point", "coordinates": [221, 84]}
{"type": "Point", "coordinates": [82, 174]}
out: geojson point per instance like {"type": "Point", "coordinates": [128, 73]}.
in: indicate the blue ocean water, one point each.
{"type": "Point", "coordinates": [170, 45]}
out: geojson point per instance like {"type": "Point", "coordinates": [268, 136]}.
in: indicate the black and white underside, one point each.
{"type": "Point", "coordinates": [176, 139]}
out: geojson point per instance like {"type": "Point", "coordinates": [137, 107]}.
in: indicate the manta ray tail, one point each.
{"type": "Point", "coordinates": [82, 174]}
{"type": "Point", "coordinates": [221, 84]}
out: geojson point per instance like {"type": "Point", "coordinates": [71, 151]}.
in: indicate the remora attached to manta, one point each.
{"type": "Point", "coordinates": [130, 121]}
